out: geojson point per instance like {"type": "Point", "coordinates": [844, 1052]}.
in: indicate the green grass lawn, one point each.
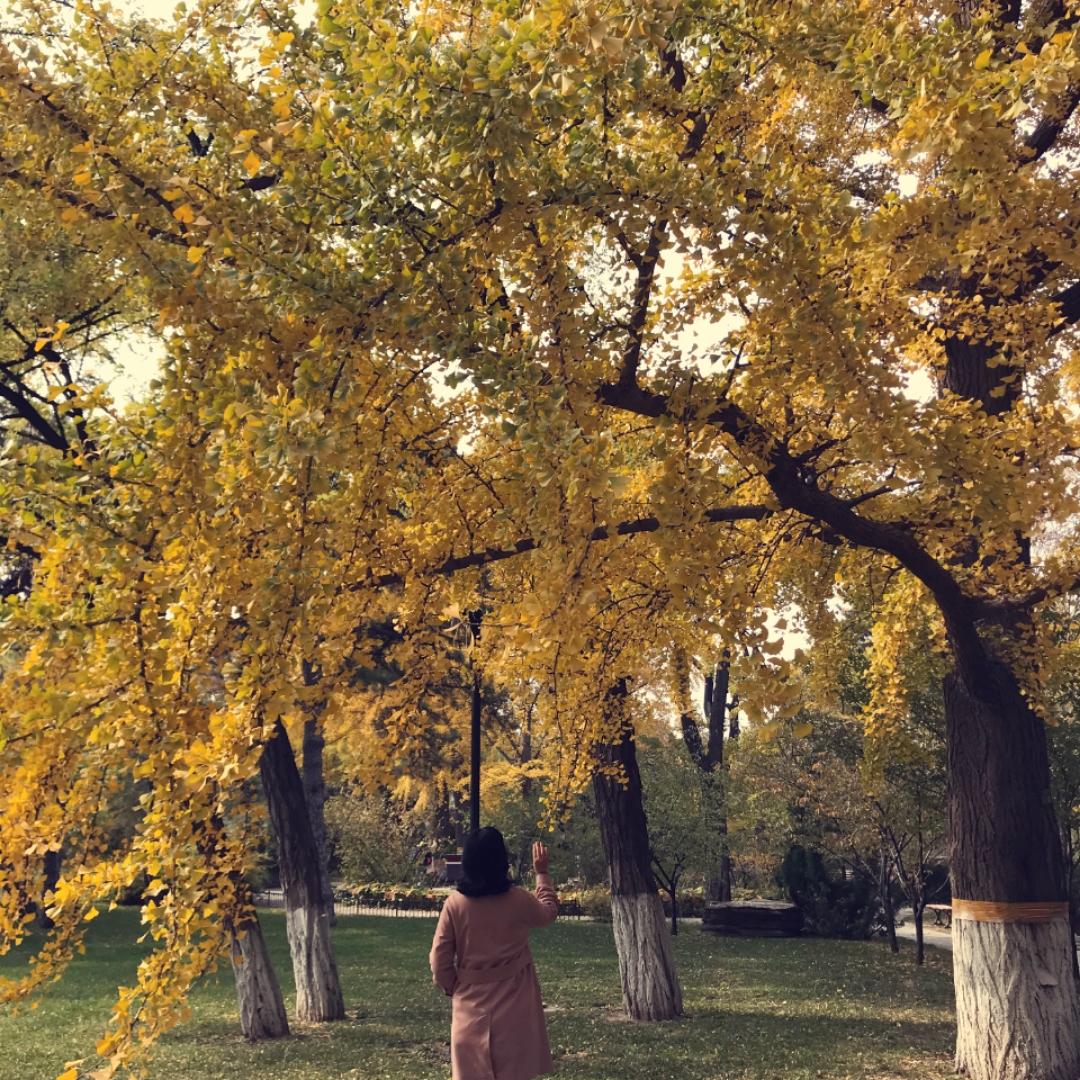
{"type": "Point", "coordinates": [756, 1008]}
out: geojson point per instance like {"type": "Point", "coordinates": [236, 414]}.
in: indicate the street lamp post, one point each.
{"type": "Point", "coordinates": [474, 733]}
{"type": "Point", "coordinates": [474, 757]}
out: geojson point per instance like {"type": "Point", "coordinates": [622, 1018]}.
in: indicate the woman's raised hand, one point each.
{"type": "Point", "coordinates": [540, 858]}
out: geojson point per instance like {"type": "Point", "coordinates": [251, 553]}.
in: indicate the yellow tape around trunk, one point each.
{"type": "Point", "coordinates": [1005, 912]}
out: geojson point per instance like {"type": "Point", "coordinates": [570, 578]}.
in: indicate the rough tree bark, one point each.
{"type": "Point", "coordinates": [311, 756]}
{"type": "Point", "coordinates": [307, 920]}
{"type": "Point", "coordinates": [315, 796]}
{"type": "Point", "coordinates": [650, 986]}
{"type": "Point", "coordinates": [258, 993]}
{"type": "Point", "coordinates": [1016, 999]}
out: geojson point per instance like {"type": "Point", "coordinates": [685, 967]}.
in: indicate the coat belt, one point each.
{"type": "Point", "coordinates": [497, 972]}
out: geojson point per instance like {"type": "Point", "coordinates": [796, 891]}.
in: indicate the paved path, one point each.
{"type": "Point", "coordinates": [936, 936]}
{"type": "Point", "coordinates": [273, 898]}
{"type": "Point", "coordinates": [933, 935]}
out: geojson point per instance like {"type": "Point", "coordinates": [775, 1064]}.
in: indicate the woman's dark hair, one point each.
{"type": "Point", "coordinates": [485, 864]}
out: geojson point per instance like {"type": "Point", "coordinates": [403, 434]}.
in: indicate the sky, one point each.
{"type": "Point", "coordinates": [138, 360]}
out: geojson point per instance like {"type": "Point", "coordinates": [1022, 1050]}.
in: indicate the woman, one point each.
{"type": "Point", "coordinates": [480, 957]}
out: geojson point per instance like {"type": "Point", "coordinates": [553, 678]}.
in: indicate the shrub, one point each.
{"type": "Point", "coordinates": [833, 904]}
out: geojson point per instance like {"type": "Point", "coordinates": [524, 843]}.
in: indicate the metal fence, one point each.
{"type": "Point", "coordinates": [404, 907]}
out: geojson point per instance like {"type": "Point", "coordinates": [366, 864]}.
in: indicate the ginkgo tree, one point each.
{"type": "Point", "coordinates": [757, 153]}
{"type": "Point", "coordinates": [753, 294]}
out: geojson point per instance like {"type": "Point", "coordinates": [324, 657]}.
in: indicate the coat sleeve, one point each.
{"type": "Point", "coordinates": [443, 949]}
{"type": "Point", "coordinates": [542, 907]}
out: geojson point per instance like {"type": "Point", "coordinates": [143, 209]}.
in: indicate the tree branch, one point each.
{"type": "Point", "coordinates": [1048, 130]}
{"type": "Point", "coordinates": [487, 556]}
{"type": "Point", "coordinates": [796, 487]}
{"type": "Point", "coordinates": [26, 411]}
{"type": "Point", "coordinates": [639, 310]}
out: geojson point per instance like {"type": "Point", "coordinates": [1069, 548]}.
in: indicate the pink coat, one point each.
{"type": "Point", "coordinates": [481, 958]}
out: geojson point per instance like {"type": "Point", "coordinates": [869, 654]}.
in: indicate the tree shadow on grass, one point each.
{"type": "Point", "coordinates": [752, 1045]}
{"type": "Point", "coordinates": [709, 1044]}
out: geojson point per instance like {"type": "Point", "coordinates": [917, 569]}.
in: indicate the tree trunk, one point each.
{"type": "Point", "coordinates": [1070, 881]}
{"type": "Point", "coordinates": [919, 912]}
{"type": "Point", "coordinates": [318, 990]}
{"type": "Point", "coordinates": [1016, 999]}
{"type": "Point", "coordinates": [258, 994]}
{"type": "Point", "coordinates": [442, 821]}
{"type": "Point", "coordinates": [887, 910]}
{"type": "Point", "coordinates": [723, 881]}
{"type": "Point", "coordinates": [315, 796]}
{"type": "Point", "coordinates": [726, 864]}
{"type": "Point", "coordinates": [52, 876]}
{"type": "Point", "coordinates": [650, 986]}
{"type": "Point", "coordinates": [710, 759]}
{"type": "Point", "coordinates": [1072, 943]}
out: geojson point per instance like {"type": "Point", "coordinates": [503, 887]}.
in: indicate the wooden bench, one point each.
{"type": "Point", "coordinates": [942, 914]}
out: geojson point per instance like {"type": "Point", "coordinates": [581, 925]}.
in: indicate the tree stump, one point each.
{"type": "Point", "coordinates": [753, 918]}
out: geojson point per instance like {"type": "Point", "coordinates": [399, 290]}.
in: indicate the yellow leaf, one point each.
{"type": "Point", "coordinates": [285, 39]}
{"type": "Point", "coordinates": [195, 254]}
{"type": "Point", "coordinates": [982, 61]}
{"type": "Point", "coordinates": [69, 1074]}
{"type": "Point", "coordinates": [252, 163]}
{"type": "Point", "coordinates": [70, 214]}
{"type": "Point", "coordinates": [91, 915]}
{"type": "Point", "coordinates": [83, 178]}
{"type": "Point", "coordinates": [184, 213]}
{"type": "Point", "coordinates": [613, 46]}
{"type": "Point", "coordinates": [800, 731]}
